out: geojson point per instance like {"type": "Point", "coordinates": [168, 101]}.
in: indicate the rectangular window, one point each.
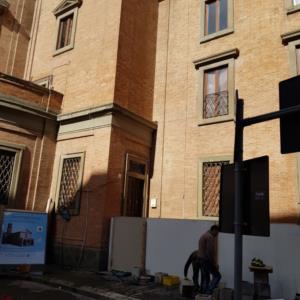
{"type": "Point", "coordinates": [216, 16]}
{"type": "Point", "coordinates": [296, 2]}
{"type": "Point", "coordinates": [66, 14]}
{"type": "Point", "coordinates": [211, 179]}
{"type": "Point", "coordinates": [10, 163]}
{"type": "Point", "coordinates": [65, 31]}
{"type": "Point", "coordinates": [215, 92]}
{"type": "Point", "coordinates": [69, 187]}
{"type": "Point", "coordinates": [7, 161]}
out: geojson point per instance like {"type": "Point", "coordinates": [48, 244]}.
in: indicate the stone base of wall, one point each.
{"type": "Point", "coordinates": [70, 256]}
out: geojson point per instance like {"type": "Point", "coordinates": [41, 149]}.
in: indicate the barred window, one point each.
{"type": "Point", "coordinates": [10, 163]}
{"type": "Point", "coordinates": [215, 92]}
{"type": "Point", "coordinates": [70, 180]}
{"type": "Point", "coordinates": [7, 161]}
{"type": "Point", "coordinates": [211, 178]}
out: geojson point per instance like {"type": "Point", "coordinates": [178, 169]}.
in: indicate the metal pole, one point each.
{"type": "Point", "coordinates": [238, 174]}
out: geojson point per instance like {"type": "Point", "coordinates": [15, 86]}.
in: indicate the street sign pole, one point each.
{"type": "Point", "coordinates": [238, 172]}
{"type": "Point", "coordinates": [238, 193]}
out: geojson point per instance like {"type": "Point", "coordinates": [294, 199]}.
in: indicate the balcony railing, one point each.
{"type": "Point", "coordinates": [215, 105]}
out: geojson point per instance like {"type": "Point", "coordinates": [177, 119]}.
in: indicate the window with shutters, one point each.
{"type": "Point", "coordinates": [66, 14]}
{"type": "Point", "coordinates": [209, 186]}
{"type": "Point", "coordinates": [70, 181]}
{"type": "Point", "coordinates": [10, 162]}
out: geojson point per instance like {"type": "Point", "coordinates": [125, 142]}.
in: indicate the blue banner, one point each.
{"type": "Point", "coordinates": [23, 238]}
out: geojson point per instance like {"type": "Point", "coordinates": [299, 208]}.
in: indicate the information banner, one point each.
{"type": "Point", "coordinates": [23, 238]}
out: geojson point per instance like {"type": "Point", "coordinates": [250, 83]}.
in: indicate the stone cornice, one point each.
{"type": "Point", "coordinates": [110, 108]}
{"type": "Point", "coordinates": [19, 105]}
{"type": "Point", "coordinates": [290, 36]}
{"type": "Point", "coordinates": [233, 53]}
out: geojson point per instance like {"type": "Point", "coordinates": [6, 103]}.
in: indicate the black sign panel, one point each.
{"type": "Point", "coordinates": [255, 205]}
{"type": "Point", "coordinates": [289, 95]}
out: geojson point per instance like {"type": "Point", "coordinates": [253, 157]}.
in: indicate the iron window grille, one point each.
{"type": "Point", "coordinates": [215, 105]}
{"type": "Point", "coordinates": [7, 161]}
{"type": "Point", "coordinates": [211, 182]}
{"type": "Point", "coordinates": [215, 100]}
{"type": "Point", "coordinates": [70, 181]}
{"type": "Point", "coordinates": [10, 165]}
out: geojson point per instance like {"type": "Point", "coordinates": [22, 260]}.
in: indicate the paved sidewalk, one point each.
{"type": "Point", "coordinates": [102, 285]}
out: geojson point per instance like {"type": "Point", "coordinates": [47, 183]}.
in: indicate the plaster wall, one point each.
{"type": "Point", "coordinates": [170, 242]}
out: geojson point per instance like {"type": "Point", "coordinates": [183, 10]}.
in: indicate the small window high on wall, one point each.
{"type": "Point", "coordinates": [66, 14]}
{"type": "Point", "coordinates": [216, 19]}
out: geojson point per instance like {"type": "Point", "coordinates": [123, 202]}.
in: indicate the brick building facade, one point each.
{"type": "Point", "coordinates": [147, 116]}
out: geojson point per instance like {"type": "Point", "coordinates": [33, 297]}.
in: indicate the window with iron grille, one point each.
{"type": "Point", "coordinates": [217, 87]}
{"type": "Point", "coordinates": [10, 161]}
{"type": "Point", "coordinates": [215, 92]}
{"type": "Point", "coordinates": [70, 180]}
{"type": "Point", "coordinates": [209, 183]}
{"type": "Point", "coordinates": [7, 161]}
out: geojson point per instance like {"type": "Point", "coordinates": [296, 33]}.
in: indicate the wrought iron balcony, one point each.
{"type": "Point", "coordinates": [215, 105]}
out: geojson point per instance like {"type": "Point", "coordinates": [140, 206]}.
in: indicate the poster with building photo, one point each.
{"type": "Point", "coordinates": [23, 238]}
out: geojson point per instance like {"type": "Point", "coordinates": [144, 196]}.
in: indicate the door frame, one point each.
{"type": "Point", "coordinates": [131, 157]}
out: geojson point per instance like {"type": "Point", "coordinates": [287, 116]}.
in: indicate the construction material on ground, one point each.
{"type": "Point", "coordinates": [186, 288]}
{"type": "Point", "coordinates": [224, 294]}
{"type": "Point", "coordinates": [136, 272]}
{"type": "Point", "coordinates": [203, 297]}
{"type": "Point", "coordinates": [159, 277]}
{"type": "Point", "coordinates": [170, 280]}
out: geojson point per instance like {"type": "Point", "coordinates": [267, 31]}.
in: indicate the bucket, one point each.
{"type": "Point", "coordinates": [136, 272]}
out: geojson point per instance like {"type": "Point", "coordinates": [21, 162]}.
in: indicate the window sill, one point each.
{"type": "Point", "coordinates": [216, 120]}
{"type": "Point", "coordinates": [216, 35]}
{"type": "Point", "coordinates": [293, 9]}
{"type": "Point", "coordinates": [62, 50]}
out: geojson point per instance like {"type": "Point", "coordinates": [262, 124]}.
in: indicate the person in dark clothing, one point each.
{"type": "Point", "coordinates": [207, 255]}
{"type": "Point", "coordinates": [204, 260]}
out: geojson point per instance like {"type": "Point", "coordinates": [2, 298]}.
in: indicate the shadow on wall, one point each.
{"type": "Point", "coordinates": [82, 242]}
{"type": "Point", "coordinates": [9, 21]}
